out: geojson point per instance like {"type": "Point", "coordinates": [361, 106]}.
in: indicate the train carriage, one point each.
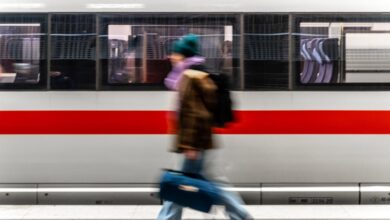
{"type": "Point", "coordinates": [84, 111]}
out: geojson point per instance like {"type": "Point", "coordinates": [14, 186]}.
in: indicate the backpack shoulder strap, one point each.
{"type": "Point", "coordinates": [196, 74]}
{"type": "Point", "coordinates": [199, 67]}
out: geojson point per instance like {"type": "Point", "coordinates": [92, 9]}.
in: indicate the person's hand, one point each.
{"type": "Point", "coordinates": [191, 154]}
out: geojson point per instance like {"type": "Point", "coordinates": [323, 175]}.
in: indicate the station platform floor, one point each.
{"type": "Point", "coordinates": [146, 212]}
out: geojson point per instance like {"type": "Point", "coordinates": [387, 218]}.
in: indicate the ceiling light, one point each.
{"type": "Point", "coordinates": [21, 5]}
{"type": "Point", "coordinates": [116, 6]}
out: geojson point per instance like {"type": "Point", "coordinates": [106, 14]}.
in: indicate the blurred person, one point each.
{"type": "Point", "coordinates": [194, 122]}
{"type": "Point", "coordinates": [6, 66]}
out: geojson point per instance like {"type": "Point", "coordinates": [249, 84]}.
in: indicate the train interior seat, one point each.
{"type": "Point", "coordinates": [331, 49]}
{"type": "Point", "coordinates": [313, 45]}
{"type": "Point", "coordinates": [306, 57]}
{"type": "Point", "coordinates": [320, 60]}
{"type": "Point", "coordinates": [306, 76]}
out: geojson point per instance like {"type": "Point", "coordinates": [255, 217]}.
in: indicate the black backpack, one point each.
{"type": "Point", "coordinates": [223, 111]}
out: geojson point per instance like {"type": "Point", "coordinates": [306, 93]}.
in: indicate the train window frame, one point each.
{"type": "Point", "coordinates": [31, 18]}
{"type": "Point", "coordinates": [106, 19]}
{"type": "Point", "coordinates": [298, 18]}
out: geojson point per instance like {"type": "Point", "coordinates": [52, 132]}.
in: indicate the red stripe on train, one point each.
{"type": "Point", "coordinates": [155, 122]}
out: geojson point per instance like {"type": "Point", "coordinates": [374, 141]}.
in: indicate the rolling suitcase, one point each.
{"type": "Point", "coordinates": [189, 190]}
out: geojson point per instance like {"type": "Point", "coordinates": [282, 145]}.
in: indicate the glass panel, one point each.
{"type": "Point", "coordinates": [20, 46]}
{"type": "Point", "coordinates": [73, 49]}
{"type": "Point", "coordinates": [138, 47]}
{"type": "Point", "coordinates": [266, 52]}
{"type": "Point", "coordinates": [23, 47]}
{"type": "Point", "coordinates": [367, 57]}
{"type": "Point", "coordinates": [344, 50]}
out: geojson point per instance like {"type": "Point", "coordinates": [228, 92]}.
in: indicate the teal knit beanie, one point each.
{"type": "Point", "coordinates": [188, 46]}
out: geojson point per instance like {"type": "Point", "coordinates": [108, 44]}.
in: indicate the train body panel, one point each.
{"type": "Point", "coordinates": [165, 101]}
{"type": "Point", "coordinates": [243, 158]}
{"type": "Point", "coordinates": [247, 158]}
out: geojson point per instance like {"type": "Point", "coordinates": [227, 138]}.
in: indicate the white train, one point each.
{"type": "Point", "coordinates": [83, 110]}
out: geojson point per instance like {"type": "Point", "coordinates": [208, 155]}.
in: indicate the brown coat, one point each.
{"type": "Point", "coordinates": [196, 98]}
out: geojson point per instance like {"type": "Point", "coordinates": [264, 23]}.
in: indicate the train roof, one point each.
{"type": "Point", "coordinates": [274, 6]}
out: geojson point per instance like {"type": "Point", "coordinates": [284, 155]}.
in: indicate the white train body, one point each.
{"type": "Point", "coordinates": [249, 158]}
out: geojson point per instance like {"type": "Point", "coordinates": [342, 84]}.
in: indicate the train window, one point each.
{"type": "Point", "coordinates": [73, 49]}
{"type": "Point", "coordinates": [134, 48]}
{"type": "Point", "coordinates": [266, 52]}
{"type": "Point", "coordinates": [350, 50]}
{"type": "Point", "coordinates": [22, 51]}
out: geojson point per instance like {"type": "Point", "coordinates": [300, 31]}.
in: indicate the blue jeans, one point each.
{"type": "Point", "coordinates": [233, 203]}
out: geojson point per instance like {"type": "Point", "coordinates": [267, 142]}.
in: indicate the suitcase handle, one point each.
{"type": "Point", "coordinates": [189, 188]}
{"type": "Point", "coordinates": [192, 175]}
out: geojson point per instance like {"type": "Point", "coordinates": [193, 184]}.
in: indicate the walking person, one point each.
{"type": "Point", "coordinates": [196, 99]}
